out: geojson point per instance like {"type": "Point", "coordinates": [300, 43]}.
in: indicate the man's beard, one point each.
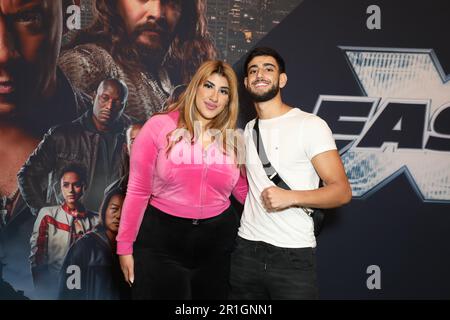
{"type": "Point", "coordinates": [265, 96]}
{"type": "Point", "coordinates": [152, 53]}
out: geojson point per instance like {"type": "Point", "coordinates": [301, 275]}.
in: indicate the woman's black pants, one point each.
{"type": "Point", "coordinates": [178, 258]}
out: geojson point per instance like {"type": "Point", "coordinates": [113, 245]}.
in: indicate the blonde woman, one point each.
{"type": "Point", "coordinates": [177, 227]}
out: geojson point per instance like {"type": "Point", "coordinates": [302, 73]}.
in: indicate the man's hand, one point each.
{"type": "Point", "coordinates": [276, 199]}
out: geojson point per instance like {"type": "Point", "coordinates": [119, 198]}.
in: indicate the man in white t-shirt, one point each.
{"type": "Point", "coordinates": [274, 256]}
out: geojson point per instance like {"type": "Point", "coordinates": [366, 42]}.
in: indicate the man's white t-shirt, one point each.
{"type": "Point", "coordinates": [291, 141]}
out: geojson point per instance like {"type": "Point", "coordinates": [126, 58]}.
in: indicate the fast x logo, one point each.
{"type": "Point", "coordinates": [400, 126]}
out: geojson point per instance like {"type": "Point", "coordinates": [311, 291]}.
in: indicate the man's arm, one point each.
{"type": "Point", "coordinates": [33, 176]}
{"type": "Point", "coordinates": [335, 192]}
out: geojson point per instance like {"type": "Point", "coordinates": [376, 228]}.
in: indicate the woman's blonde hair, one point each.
{"type": "Point", "coordinates": [223, 122]}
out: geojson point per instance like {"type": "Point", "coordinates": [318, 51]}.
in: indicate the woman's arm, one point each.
{"type": "Point", "coordinates": [241, 188]}
{"type": "Point", "coordinates": [142, 164]}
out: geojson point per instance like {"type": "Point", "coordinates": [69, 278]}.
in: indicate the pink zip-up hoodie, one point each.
{"type": "Point", "coordinates": [187, 182]}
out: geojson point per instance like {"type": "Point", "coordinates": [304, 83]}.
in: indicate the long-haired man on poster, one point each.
{"type": "Point", "coordinates": [151, 45]}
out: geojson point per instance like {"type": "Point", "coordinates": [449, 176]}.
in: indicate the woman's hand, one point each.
{"type": "Point", "coordinates": [127, 266]}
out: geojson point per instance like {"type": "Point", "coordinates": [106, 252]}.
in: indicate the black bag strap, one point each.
{"type": "Point", "coordinates": [271, 173]}
{"type": "Point", "coordinates": [316, 214]}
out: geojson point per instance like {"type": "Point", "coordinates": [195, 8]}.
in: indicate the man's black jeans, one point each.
{"type": "Point", "coordinates": [260, 271]}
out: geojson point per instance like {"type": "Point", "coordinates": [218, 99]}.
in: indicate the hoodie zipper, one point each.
{"type": "Point", "coordinates": [203, 183]}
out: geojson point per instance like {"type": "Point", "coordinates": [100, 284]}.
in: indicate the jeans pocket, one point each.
{"type": "Point", "coordinates": [301, 258]}
{"type": "Point", "coordinates": [241, 250]}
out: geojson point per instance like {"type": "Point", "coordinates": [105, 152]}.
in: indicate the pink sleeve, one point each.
{"type": "Point", "coordinates": [142, 163]}
{"type": "Point", "coordinates": [241, 188]}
